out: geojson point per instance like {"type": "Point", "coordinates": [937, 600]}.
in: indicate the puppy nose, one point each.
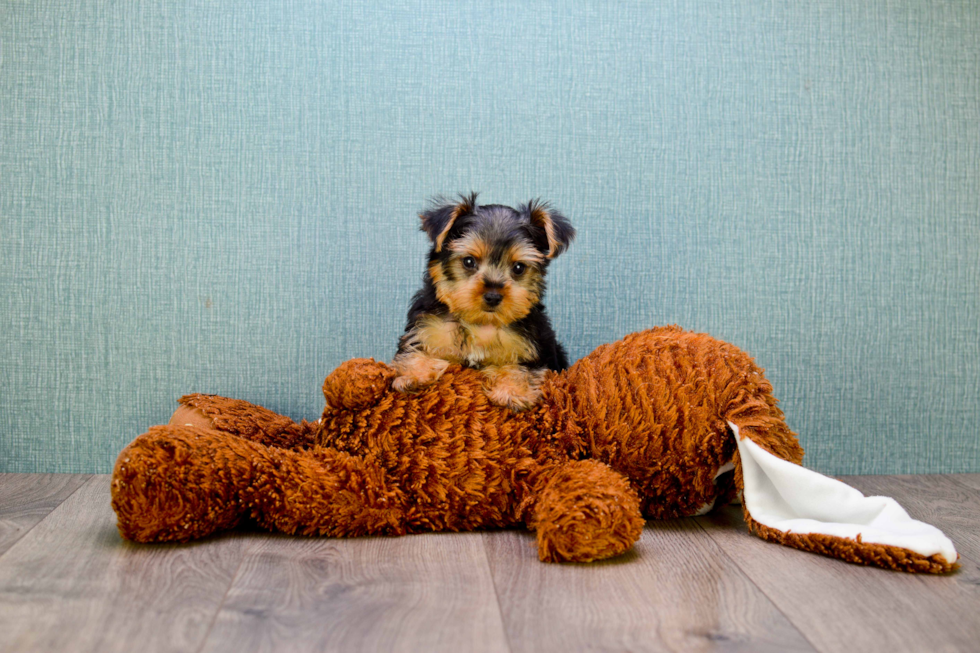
{"type": "Point", "coordinates": [492, 298]}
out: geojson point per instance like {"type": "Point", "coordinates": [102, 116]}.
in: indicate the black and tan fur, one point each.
{"type": "Point", "coordinates": [480, 302]}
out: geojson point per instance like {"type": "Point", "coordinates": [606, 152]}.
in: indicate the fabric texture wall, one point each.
{"type": "Point", "coordinates": [221, 197]}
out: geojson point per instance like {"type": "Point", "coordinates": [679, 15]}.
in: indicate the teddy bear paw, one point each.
{"type": "Point", "coordinates": [357, 383]}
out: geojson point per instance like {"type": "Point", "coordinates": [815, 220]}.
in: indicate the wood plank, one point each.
{"type": "Point", "coordinates": [73, 584]}
{"type": "Point", "coordinates": [844, 607]}
{"type": "Point", "coordinates": [676, 590]}
{"type": "Point", "coordinates": [969, 480]}
{"type": "Point", "coordinates": [429, 592]}
{"type": "Point", "coordinates": [26, 499]}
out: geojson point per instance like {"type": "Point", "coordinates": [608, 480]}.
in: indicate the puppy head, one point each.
{"type": "Point", "coordinates": [488, 262]}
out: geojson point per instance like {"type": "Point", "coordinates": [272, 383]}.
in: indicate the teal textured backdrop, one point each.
{"type": "Point", "coordinates": [221, 196]}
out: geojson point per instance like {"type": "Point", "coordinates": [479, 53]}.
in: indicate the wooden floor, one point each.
{"type": "Point", "coordinates": [69, 583]}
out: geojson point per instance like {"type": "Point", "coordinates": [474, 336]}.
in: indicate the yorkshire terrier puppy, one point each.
{"type": "Point", "coordinates": [480, 302]}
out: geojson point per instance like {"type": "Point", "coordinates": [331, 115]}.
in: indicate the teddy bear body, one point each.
{"type": "Point", "coordinates": [663, 423]}
{"type": "Point", "coordinates": [636, 429]}
{"type": "Point", "coordinates": [656, 417]}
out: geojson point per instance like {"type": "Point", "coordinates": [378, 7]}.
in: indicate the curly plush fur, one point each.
{"type": "Point", "coordinates": [639, 428]}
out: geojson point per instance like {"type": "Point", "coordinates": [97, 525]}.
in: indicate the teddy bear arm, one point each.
{"type": "Point", "coordinates": [585, 511]}
{"type": "Point", "coordinates": [356, 384]}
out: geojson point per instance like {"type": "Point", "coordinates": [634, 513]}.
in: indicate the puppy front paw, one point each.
{"type": "Point", "coordinates": [513, 386]}
{"type": "Point", "coordinates": [415, 371]}
{"type": "Point", "coordinates": [407, 384]}
{"type": "Point", "coordinates": [517, 401]}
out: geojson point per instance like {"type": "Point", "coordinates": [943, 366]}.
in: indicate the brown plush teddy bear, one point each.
{"type": "Point", "coordinates": [663, 423]}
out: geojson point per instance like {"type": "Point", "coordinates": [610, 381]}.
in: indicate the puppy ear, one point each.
{"type": "Point", "coordinates": [439, 219]}
{"type": "Point", "coordinates": [557, 229]}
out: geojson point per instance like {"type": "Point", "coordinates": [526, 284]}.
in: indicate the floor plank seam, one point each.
{"type": "Point", "coordinates": [961, 483]}
{"type": "Point", "coordinates": [224, 598]}
{"type": "Point", "coordinates": [496, 591]}
{"type": "Point", "coordinates": [748, 577]}
{"type": "Point", "coordinates": [40, 521]}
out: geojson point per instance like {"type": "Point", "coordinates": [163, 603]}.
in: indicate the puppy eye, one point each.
{"type": "Point", "coordinates": [469, 262]}
{"type": "Point", "coordinates": [518, 268]}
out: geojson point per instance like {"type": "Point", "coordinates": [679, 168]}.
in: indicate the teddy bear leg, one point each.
{"type": "Point", "coordinates": [586, 511]}
{"type": "Point", "coordinates": [326, 492]}
{"type": "Point", "coordinates": [183, 483]}
{"type": "Point", "coordinates": [178, 483]}
{"type": "Point", "coordinates": [244, 420]}
{"type": "Point", "coordinates": [190, 416]}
